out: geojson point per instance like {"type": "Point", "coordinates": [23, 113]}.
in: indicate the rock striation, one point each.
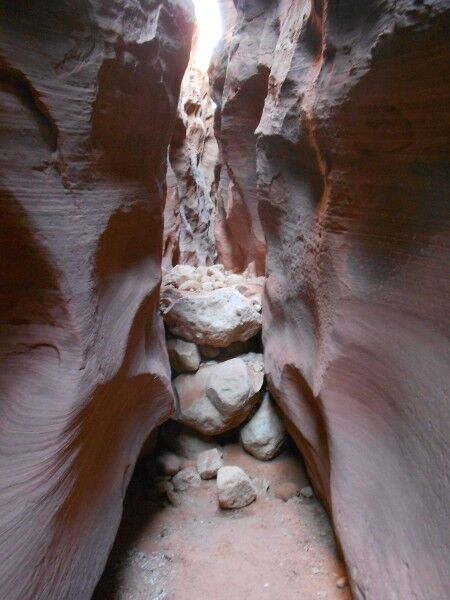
{"type": "Point", "coordinates": [190, 212]}
{"type": "Point", "coordinates": [337, 113]}
{"type": "Point", "coordinates": [88, 95]}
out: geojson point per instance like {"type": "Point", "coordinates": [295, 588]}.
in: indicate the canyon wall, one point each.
{"type": "Point", "coordinates": [337, 112]}
{"type": "Point", "coordinates": [190, 212]}
{"type": "Point", "coordinates": [88, 96]}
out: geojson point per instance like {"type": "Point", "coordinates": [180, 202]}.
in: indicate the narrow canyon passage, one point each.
{"type": "Point", "coordinates": [221, 507]}
{"type": "Point", "coordinates": [224, 299]}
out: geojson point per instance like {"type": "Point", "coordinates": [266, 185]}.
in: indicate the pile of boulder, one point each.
{"type": "Point", "coordinates": [213, 327]}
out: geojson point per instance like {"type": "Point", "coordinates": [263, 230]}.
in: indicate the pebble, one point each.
{"type": "Point", "coordinates": [307, 492]}
{"type": "Point", "coordinates": [286, 490]}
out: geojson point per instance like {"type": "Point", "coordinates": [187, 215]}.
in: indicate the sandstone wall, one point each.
{"type": "Point", "coordinates": [88, 94]}
{"type": "Point", "coordinates": [350, 155]}
{"type": "Point", "coordinates": [190, 213]}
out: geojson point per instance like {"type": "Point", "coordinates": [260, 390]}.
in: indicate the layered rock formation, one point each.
{"type": "Point", "coordinates": [189, 218]}
{"type": "Point", "coordinates": [338, 112]}
{"type": "Point", "coordinates": [88, 94]}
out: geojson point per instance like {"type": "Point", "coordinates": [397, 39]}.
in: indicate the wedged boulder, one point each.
{"type": "Point", "coordinates": [184, 356]}
{"type": "Point", "coordinates": [214, 319]}
{"type": "Point", "coordinates": [220, 396]}
{"type": "Point", "coordinates": [263, 436]}
{"type": "Point", "coordinates": [235, 488]}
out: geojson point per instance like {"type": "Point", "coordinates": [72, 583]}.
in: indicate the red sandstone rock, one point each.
{"type": "Point", "coordinates": [351, 161]}
{"type": "Point", "coordinates": [88, 94]}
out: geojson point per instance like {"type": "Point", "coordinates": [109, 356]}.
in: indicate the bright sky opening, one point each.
{"type": "Point", "coordinates": [209, 23]}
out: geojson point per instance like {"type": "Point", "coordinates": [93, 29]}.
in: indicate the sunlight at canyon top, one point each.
{"type": "Point", "coordinates": [209, 25]}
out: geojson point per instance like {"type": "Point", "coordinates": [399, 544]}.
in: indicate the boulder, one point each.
{"type": "Point", "coordinates": [184, 356]}
{"type": "Point", "coordinates": [208, 463]}
{"type": "Point", "coordinates": [219, 396]}
{"type": "Point", "coordinates": [235, 488]}
{"type": "Point", "coordinates": [263, 436]}
{"type": "Point", "coordinates": [179, 274]}
{"type": "Point", "coordinates": [214, 319]}
{"type": "Point", "coordinates": [183, 441]}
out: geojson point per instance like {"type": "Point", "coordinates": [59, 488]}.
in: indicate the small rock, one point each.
{"type": "Point", "coordinates": [185, 479]}
{"type": "Point", "coordinates": [286, 490]}
{"type": "Point", "coordinates": [160, 490]}
{"type": "Point", "coordinates": [184, 356]}
{"type": "Point", "coordinates": [235, 488]}
{"type": "Point", "coordinates": [264, 435]}
{"type": "Point", "coordinates": [342, 582]}
{"type": "Point", "coordinates": [173, 498]}
{"type": "Point", "coordinates": [190, 286]}
{"type": "Point", "coordinates": [307, 492]}
{"type": "Point", "coordinates": [208, 463]}
{"type": "Point", "coordinates": [262, 486]}
{"type": "Point", "coordinates": [168, 464]}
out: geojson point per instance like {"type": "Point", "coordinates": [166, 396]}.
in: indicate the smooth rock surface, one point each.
{"type": "Point", "coordinates": [184, 356]}
{"type": "Point", "coordinates": [216, 319]}
{"type": "Point", "coordinates": [263, 436]}
{"type": "Point", "coordinates": [235, 488]}
{"type": "Point", "coordinates": [344, 135]}
{"type": "Point", "coordinates": [208, 463]}
{"type": "Point", "coordinates": [219, 396]}
{"type": "Point", "coordinates": [88, 96]}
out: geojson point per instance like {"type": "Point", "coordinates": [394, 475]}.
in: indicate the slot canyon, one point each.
{"type": "Point", "coordinates": [224, 299]}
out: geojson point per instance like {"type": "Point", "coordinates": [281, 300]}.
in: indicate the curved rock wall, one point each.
{"type": "Point", "coordinates": [352, 168]}
{"type": "Point", "coordinates": [88, 93]}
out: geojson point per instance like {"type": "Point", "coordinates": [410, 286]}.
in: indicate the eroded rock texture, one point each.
{"type": "Point", "coordinates": [349, 100]}
{"type": "Point", "coordinates": [88, 93]}
{"type": "Point", "coordinates": [239, 75]}
{"type": "Point", "coordinates": [190, 213]}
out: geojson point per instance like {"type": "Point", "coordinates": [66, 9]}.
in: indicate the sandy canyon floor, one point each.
{"type": "Point", "coordinates": [270, 550]}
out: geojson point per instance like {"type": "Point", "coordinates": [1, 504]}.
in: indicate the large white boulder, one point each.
{"type": "Point", "coordinates": [235, 488]}
{"type": "Point", "coordinates": [219, 397]}
{"type": "Point", "coordinates": [264, 435]}
{"type": "Point", "coordinates": [214, 319]}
